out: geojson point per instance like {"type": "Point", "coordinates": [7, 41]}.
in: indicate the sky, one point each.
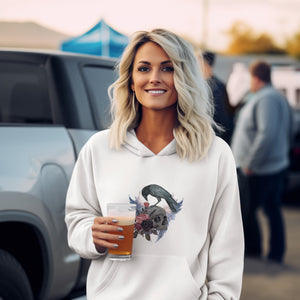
{"type": "Point", "coordinates": [203, 21]}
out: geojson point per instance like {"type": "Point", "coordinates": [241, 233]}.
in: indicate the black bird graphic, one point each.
{"type": "Point", "coordinates": [160, 193]}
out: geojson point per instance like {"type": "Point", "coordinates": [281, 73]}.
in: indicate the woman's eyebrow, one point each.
{"type": "Point", "coordinates": [148, 63]}
{"type": "Point", "coordinates": [144, 62]}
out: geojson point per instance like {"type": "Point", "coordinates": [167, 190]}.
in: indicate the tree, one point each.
{"type": "Point", "coordinates": [245, 41]}
{"type": "Point", "coordinates": [293, 45]}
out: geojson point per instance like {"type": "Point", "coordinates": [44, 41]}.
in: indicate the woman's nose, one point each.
{"type": "Point", "coordinates": [155, 77]}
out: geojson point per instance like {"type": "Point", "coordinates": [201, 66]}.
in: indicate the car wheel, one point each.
{"type": "Point", "coordinates": [14, 283]}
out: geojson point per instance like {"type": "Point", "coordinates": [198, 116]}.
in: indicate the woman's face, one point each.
{"type": "Point", "coordinates": [153, 78]}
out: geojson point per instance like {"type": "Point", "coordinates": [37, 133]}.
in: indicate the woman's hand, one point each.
{"type": "Point", "coordinates": [105, 233]}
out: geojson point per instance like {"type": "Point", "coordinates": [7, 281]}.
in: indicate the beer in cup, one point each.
{"type": "Point", "coordinates": [125, 214]}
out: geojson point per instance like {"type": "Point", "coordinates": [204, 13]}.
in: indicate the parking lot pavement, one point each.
{"type": "Point", "coordinates": [265, 281]}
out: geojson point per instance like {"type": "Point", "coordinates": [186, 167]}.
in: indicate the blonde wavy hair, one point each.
{"type": "Point", "coordinates": [194, 130]}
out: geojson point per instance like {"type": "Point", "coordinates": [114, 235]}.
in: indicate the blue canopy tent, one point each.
{"type": "Point", "coordinates": [99, 40]}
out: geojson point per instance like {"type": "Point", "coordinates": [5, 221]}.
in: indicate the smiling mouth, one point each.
{"type": "Point", "coordinates": [156, 92]}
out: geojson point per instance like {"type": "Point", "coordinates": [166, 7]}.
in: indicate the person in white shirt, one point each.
{"type": "Point", "coordinates": [160, 153]}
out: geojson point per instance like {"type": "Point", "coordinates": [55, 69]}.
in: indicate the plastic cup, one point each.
{"type": "Point", "coordinates": [125, 214]}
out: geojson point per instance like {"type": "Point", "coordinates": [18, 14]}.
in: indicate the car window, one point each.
{"type": "Point", "coordinates": [24, 97]}
{"type": "Point", "coordinates": [98, 80]}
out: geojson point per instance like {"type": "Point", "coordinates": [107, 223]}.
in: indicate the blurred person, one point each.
{"type": "Point", "coordinates": [238, 85]}
{"type": "Point", "coordinates": [238, 88]}
{"type": "Point", "coordinates": [223, 114]}
{"type": "Point", "coordinates": [260, 146]}
{"type": "Point", "coordinates": [161, 153]}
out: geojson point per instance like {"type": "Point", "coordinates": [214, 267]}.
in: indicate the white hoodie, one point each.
{"type": "Point", "coordinates": [194, 251]}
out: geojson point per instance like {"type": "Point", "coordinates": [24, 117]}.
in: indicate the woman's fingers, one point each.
{"type": "Point", "coordinates": [108, 241]}
{"type": "Point", "coordinates": [106, 233]}
{"type": "Point", "coordinates": [108, 236]}
{"type": "Point", "coordinates": [105, 220]}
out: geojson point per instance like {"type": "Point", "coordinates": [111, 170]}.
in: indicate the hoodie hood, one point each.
{"type": "Point", "coordinates": [135, 146]}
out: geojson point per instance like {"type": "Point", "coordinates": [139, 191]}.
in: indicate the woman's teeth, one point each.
{"type": "Point", "coordinates": [156, 92]}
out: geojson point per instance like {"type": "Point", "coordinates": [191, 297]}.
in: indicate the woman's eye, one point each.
{"type": "Point", "coordinates": [168, 69]}
{"type": "Point", "coordinates": [143, 69]}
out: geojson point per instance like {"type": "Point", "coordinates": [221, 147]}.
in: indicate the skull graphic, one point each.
{"type": "Point", "coordinates": [158, 217]}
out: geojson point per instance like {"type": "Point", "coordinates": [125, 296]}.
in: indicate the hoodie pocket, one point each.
{"type": "Point", "coordinates": [149, 277]}
{"type": "Point", "coordinates": [108, 271]}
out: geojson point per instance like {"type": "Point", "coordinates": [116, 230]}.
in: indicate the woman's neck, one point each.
{"type": "Point", "coordinates": [155, 130]}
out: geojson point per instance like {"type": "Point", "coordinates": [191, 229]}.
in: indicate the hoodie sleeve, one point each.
{"type": "Point", "coordinates": [226, 250]}
{"type": "Point", "coordinates": [82, 206]}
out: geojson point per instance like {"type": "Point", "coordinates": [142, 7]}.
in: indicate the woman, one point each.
{"type": "Point", "coordinates": [161, 142]}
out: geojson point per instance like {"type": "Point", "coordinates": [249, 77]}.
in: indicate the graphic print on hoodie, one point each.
{"type": "Point", "coordinates": [154, 219]}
